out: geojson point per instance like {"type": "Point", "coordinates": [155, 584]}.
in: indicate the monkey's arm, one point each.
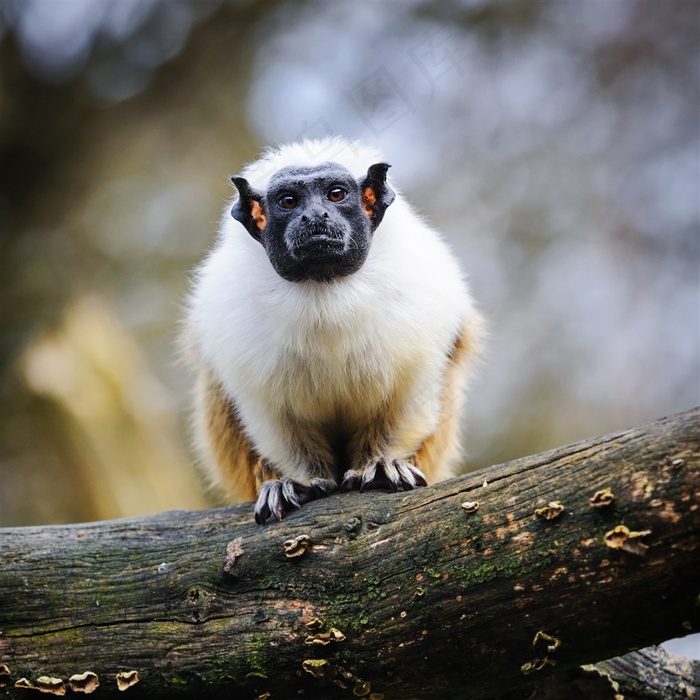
{"type": "Point", "coordinates": [435, 457]}
{"type": "Point", "coordinates": [236, 467]}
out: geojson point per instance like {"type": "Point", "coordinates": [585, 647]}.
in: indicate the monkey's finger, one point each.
{"type": "Point", "coordinates": [269, 501]}
{"type": "Point", "coordinates": [380, 475]}
{"type": "Point", "coordinates": [320, 488]}
{"type": "Point", "coordinates": [275, 500]}
{"type": "Point", "coordinates": [262, 513]}
{"type": "Point", "coordinates": [368, 476]}
{"type": "Point", "coordinates": [392, 474]}
{"type": "Point", "coordinates": [411, 477]}
{"type": "Point", "coordinates": [262, 507]}
{"type": "Point", "coordinates": [418, 475]}
{"type": "Point", "coordinates": [406, 477]}
{"type": "Point", "coordinates": [289, 492]}
{"type": "Point", "coordinates": [351, 480]}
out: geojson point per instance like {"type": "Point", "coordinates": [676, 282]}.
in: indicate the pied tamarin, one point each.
{"type": "Point", "coordinates": [332, 332]}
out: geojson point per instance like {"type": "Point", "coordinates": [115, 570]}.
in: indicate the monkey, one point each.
{"type": "Point", "coordinates": [331, 331]}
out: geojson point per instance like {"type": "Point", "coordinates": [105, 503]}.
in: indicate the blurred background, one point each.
{"type": "Point", "coordinates": [556, 144]}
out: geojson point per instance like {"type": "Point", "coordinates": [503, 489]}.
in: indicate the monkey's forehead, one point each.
{"type": "Point", "coordinates": [303, 174]}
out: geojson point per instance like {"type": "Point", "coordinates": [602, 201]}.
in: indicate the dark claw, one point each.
{"type": "Point", "coordinates": [417, 475]}
{"type": "Point", "coordinates": [289, 493]}
{"type": "Point", "coordinates": [351, 480]}
{"type": "Point", "coordinates": [380, 475]}
{"type": "Point", "coordinates": [385, 474]}
{"type": "Point", "coordinates": [280, 496]}
{"type": "Point", "coordinates": [268, 502]}
{"type": "Point", "coordinates": [262, 510]}
{"type": "Point", "coordinates": [322, 487]}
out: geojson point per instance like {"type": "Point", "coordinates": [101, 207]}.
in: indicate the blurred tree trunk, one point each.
{"type": "Point", "coordinates": [61, 149]}
{"type": "Point", "coordinates": [477, 587]}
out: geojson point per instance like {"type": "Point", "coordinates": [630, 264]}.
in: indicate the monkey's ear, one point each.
{"type": "Point", "coordinates": [249, 209]}
{"type": "Point", "coordinates": [376, 194]}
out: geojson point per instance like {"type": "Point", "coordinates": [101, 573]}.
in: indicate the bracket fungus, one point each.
{"type": "Point", "coordinates": [296, 547]}
{"type": "Point", "coordinates": [84, 682]}
{"type": "Point", "coordinates": [126, 679]}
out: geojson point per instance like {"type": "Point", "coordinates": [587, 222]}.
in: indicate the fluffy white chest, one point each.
{"type": "Point", "coordinates": [323, 372]}
{"type": "Point", "coordinates": [339, 351]}
{"type": "Point", "coordinates": [328, 359]}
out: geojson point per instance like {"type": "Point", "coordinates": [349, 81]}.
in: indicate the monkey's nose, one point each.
{"type": "Point", "coordinates": [314, 216]}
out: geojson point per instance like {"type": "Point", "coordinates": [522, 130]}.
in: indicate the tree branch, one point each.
{"type": "Point", "coordinates": [476, 587]}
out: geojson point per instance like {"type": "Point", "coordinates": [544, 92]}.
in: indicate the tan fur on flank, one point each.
{"type": "Point", "coordinates": [438, 454]}
{"type": "Point", "coordinates": [220, 437]}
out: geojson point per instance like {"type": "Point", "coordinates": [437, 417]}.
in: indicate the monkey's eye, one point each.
{"type": "Point", "coordinates": [337, 194]}
{"type": "Point", "coordinates": [288, 201]}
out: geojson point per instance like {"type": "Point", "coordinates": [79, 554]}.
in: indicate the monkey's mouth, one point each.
{"type": "Point", "coordinates": [318, 241]}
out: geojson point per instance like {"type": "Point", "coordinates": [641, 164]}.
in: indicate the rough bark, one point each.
{"type": "Point", "coordinates": [419, 597]}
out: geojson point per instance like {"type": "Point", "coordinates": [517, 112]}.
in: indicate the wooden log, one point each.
{"type": "Point", "coordinates": [472, 588]}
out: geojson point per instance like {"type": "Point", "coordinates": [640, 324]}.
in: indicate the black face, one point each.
{"type": "Point", "coordinates": [316, 223]}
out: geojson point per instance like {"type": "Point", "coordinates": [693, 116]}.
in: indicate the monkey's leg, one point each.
{"type": "Point", "coordinates": [384, 473]}
{"type": "Point", "coordinates": [280, 496]}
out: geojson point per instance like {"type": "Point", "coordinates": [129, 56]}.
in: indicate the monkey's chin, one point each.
{"type": "Point", "coordinates": [320, 263]}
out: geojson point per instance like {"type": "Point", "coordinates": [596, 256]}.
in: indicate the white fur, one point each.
{"type": "Point", "coordinates": [338, 350]}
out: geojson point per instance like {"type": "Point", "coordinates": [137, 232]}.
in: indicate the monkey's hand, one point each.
{"type": "Point", "coordinates": [279, 496]}
{"type": "Point", "coordinates": [384, 474]}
